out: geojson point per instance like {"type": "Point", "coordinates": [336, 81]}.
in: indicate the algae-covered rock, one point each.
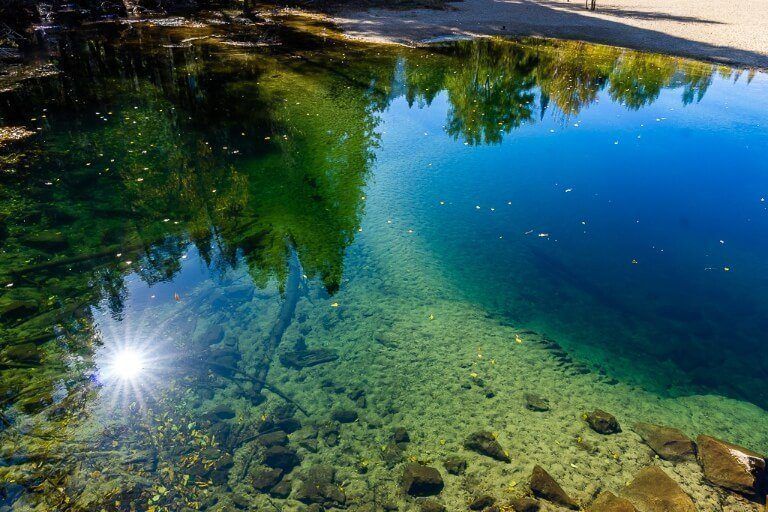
{"type": "Point", "coordinates": [486, 444]}
{"type": "Point", "coordinates": [482, 502]}
{"type": "Point", "coordinates": [281, 457]}
{"type": "Point", "coordinates": [318, 486]}
{"type": "Point", "coordinates": [602, 422]}
{"type": "Point", "coordinates": [668, 443]}
{"type": "Point", "coordinates": [455, 465]}
{"type": "Point", "coordinates": [536, 403]}
{"type": "Point", "coordinates": [609, 502]}
{"type": "Point", "coordinates": [420, 480]}
{"type": "Point", "coordinates": [344, 415]}
{"type": "Point", "coordinates": [524, 505]}
{"type": "Point", "coordinates": [545, 487]}
{"type": "Point", "coordinates": [731, 466]}
{"type": "Point", "coordinates": [652, 490]}
{"type": "Point", "coordinates": [431, 506]}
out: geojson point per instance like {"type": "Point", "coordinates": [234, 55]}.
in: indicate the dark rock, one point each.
{"type": "Point", "coordinates": [281, 490]}
{"type": "Point", "coordinates": [455, 465]}
{"type": "Point", "coordinates": [668, 443]}
{"type": "Point", "coordinates": [282, 458]}
{"type": "Point", "coordinates": [329, 433]}
{"type": "Point", "coordinates": [524, 505]}
{"type": "Point", "coordinates": [732, 466]}
{"type": "Point", "coordinates": [401, 436]}
{"type": "Point", "coordinates": [482, 502]}
{"type": "Point", "coordinates": [653, 490]}
{"type": "Point", "coordinates": [420, 480]}
{"type": "Point", "coordinates": [298, 359]}
{"type": "Point", "coordinates": [344, 415]}
{"type": "Point", "coordinates": [288, 425]}
{"type": "Point", "coordinates": [266, 478]}
{"type": "Point", "coordinates": [609, 502]}
{"type": "Point", "coordinates": [536, 403]}
{"type": "Point", "coordinates": [544, 486]}
{"type": "Point", "coordinates": [392, 454]}
{"type": "Point", "coordinates": [432, 506]}
{"type": "Point", "coordinates": [211, 336]}
{"type": "Point", "coordinates": [485, 444]}
{"type": "Point", "coordinates": [222, 412]}
{"type": "Point", "coordinates": [602, 422]}
{"type": "Point", "coordinates": [276, 438]}
{"type": "Point", "coordinates": [318, 486]}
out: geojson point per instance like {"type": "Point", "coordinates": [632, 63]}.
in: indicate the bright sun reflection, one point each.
{"type": "Point", "coordinates": [127, 364]}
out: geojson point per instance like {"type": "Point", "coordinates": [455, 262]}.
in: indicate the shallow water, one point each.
{"type": "Point", "coordinates": [216, 235]}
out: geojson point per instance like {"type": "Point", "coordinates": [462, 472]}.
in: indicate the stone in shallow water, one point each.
{"type": "Point", "coordinates": [276, 438]}
{"type": "Point", "coordinates": [653, 490]}
{"type": "Point", "coordinates": [609, 502]}
{"type": "Point", "coordinates": [524, 505]}
{"type": "Point", "coordinates": [732, 466]}
{"type": "Point", "coordinates": [668, 443]}
{"type": "Point", "coordinates": [318, 486]}
{"type": "Point", "coordinates": [455, 465]}
{"type": "Point", "coordinates": [280, 457]}
{"type": "Point", "coordinates": [545, 487]}
{"type": "Point", "coordinates": [344, 415]}
{"type": "Point", "coordinates": [266, 478]}
{"type": "Point", "coordinates": [420, 480]}
{"type": "Point", "coordinates": [299, 359]}
{"type": "Point", "coordinates": [432, 506]}
{"type": "Point", "coordinates": [602, 422]}
{"type": "Point", "coordinates": [485, 444]}
{"type": "Point", "coordinates": [536, 403]}
{"type": "Point", "coordinates": [482, 502]}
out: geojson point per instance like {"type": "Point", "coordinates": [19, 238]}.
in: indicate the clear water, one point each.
{"type": "Point", "coordinates": [207, 241]}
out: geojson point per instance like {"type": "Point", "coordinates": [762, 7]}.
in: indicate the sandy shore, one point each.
{"type": "Point", "coordinates": [715, 30]}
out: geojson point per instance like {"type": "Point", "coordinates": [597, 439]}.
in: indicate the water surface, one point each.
{"type": "Point", "coordinates": [216, 235]}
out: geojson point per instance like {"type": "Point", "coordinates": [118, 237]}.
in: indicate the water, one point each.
{"type": "Point", "coordinates": [215, 235]}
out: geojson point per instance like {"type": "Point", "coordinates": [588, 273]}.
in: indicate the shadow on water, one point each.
{"type": "Point", "coordinates": [162, 149]}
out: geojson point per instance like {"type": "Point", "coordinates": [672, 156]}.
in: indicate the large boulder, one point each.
{"type": "Point", "coordinates": [545, 487]}
{"type": "Point", "coordinates": [609, 502]}
{"type": "Point", "coordinates": [420, 480]}
{"type": "Point", "coordinates": [602, 422]}
{"type": "Point", "coordinates": [731, 466]}
{"type": "Point", "coordinates": [486, 444]}
{"type": "Point", "coordinates": [653, 490]}
{"type": "Point", "coordinates": [668, 443]}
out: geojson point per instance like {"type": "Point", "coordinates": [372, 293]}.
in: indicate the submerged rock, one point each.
{"type": "Point", "coordinates": [432, 506]}
{"type": "Point", "coordinates": [653, 490]}
{"type": "Point", "coordinates": [344, 415]}
{"type": "Point", "coordinates": [266, 478]}
{"type": "Point", "coordinates": [482, 502]}
{"type": "Point", "coordinates": [602, 422]}
{"type": "Point", "coordinates": [401, 436]}
{"type": "Point", "coordinates": [668, 443]}
{"type": "Point", "coordinates": [222, 412]}
{"type": "Point", "coordinates": [420, 480]}
{"type": "Point", "coordinates": [298, 359]}
{"type": "Point", "coordinates": [731, 466]}
{"type": "Point", "coordinates": [609, 502]}
{"type": "Point", "coordinates": [545, 487]}
{"type": "Point", "coordinates": [455, 465]}
{"type": "Point", "coordinates": [280, 457]}
{"type": "Point", "coordinates": [524, 505]}
{"type": "Point", "coordinates": [536, 403]}
{"type": "Point", "coordinates": [318, 486]}
{"type": "Point", "coordinates": [485, 444]}
{"type": "Point", "coordinates": [276, 438]}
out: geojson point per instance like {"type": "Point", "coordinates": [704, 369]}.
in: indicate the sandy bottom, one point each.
{"type": "Point", "coordinates": [715, 30]}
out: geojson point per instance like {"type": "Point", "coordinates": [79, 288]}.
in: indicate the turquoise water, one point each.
{"type": "Point", "coordinates": [214, 235]}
